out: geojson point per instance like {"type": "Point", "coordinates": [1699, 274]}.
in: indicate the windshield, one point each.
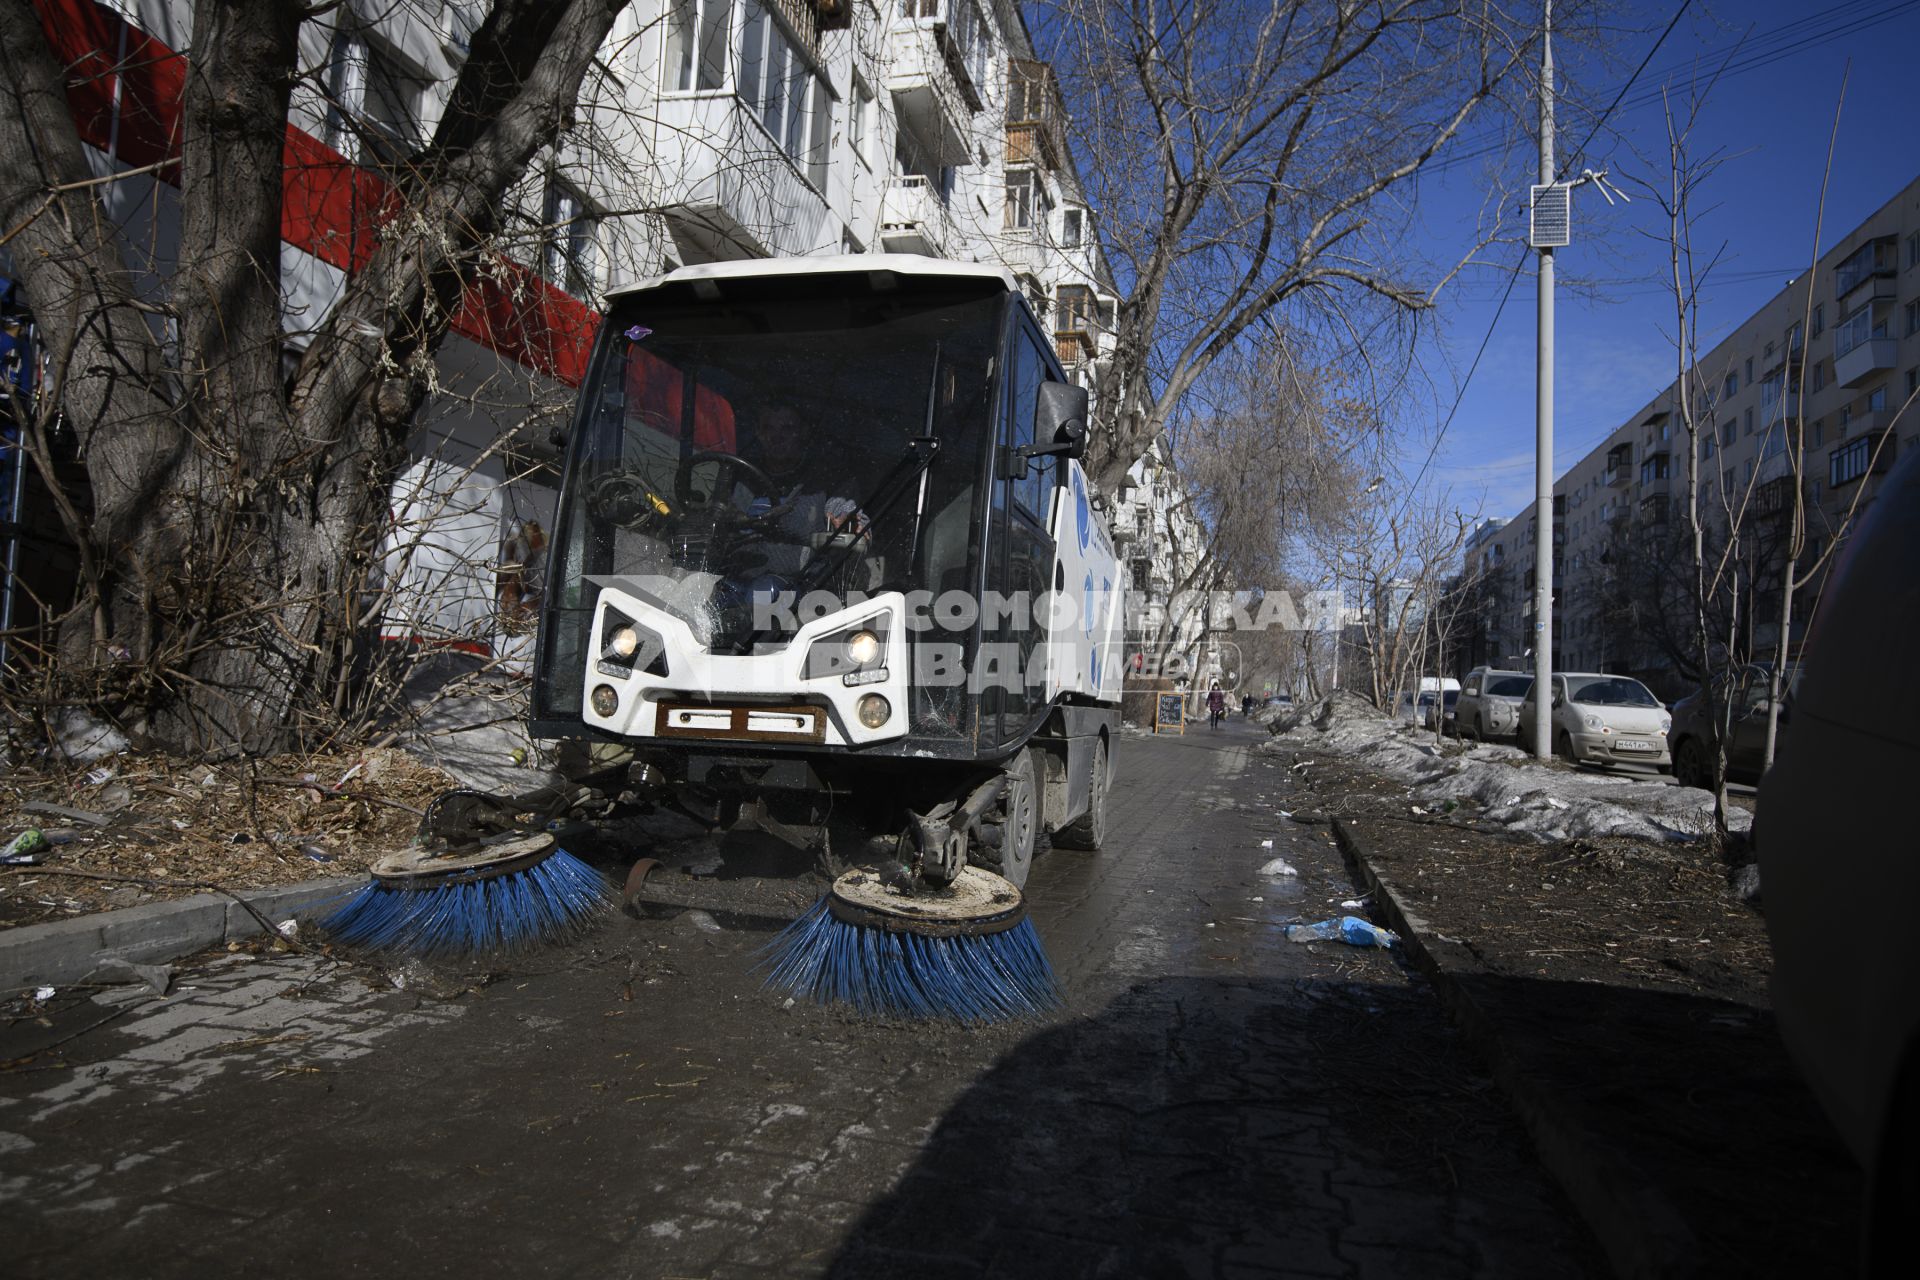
{"type": "Point", "coordinates": [738, 455]}
{"type": "Point", "coordinates": [1610, 691]}
{"type": "Point", "coordinates": [1509, 686]}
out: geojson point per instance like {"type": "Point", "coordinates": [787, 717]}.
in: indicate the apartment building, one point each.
{"type": "Point", "coordinates": [1834, 366]}
{"type": "Point", "coordinates": [1169, 628]}
{"type": "Point", "coordinates": [708, 130]}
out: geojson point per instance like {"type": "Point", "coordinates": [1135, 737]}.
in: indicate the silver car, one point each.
{"type": "Point", "coordinates": [1489, 705]}
{"type": "Point", "coordinates": [1604, 719]}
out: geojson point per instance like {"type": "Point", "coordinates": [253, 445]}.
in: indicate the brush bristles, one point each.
{"type": "Point", "coordinates": [991, 978]}
{"type": "Point", "coordinates": [551, 901]}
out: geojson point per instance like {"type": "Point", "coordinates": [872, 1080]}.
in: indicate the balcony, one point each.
{"type": "Point", "coordinates": [1858, 358]}
{"type": "Point", "coordinates": [1034, 113]}
{"type": "Point", "coordinates": [735, 193]}
{"type": "Point", "coordinates": [1075, 333]}
{"type": "Point", "coordinates": [913, 218]}
{"type": "Point", "coordinates": [933, 95]}
{"type": "Point", "coordinates": [1619, 466]}
{"type": "Point", "coordinates": [1868, 265]}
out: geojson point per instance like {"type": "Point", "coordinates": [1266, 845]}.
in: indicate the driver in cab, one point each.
{"type": "Point", "coordinates": [801, 508]}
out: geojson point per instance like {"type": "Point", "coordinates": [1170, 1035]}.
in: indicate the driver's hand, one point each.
{"type": "Point", "coordinates": [845, 516]}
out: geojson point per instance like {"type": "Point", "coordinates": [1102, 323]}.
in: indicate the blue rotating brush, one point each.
{"type": "Point", "coordinates": [474, 882]}
{"type": "Point", "coordinates": [966, 952]}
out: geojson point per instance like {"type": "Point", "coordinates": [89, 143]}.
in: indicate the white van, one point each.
{"type": "Point", "coordinates": [1432, 689]}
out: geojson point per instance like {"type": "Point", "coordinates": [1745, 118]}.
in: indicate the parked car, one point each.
{"type": "Point", "coordinates": [1604, 719]}
{"type": "Point", "coordinates": [1744, 690]}
{"type": "Point", "coordinates": [1412, 707]}
{"type": "Point", "coordinates": [1490, 702]}
{"type": "Point", "coordinates": [1833, 829]}
{"type": "Point", "coordinates": [1438, 714]}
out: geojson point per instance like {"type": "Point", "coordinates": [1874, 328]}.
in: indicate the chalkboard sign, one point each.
{"type": "Point", "coordinates": [1169, 713]}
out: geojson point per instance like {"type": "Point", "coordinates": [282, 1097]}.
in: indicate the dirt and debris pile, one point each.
{"type": "Point", "coordinates": [1504, 785]}
{"type": "Point", "coordinates": [140, 818]}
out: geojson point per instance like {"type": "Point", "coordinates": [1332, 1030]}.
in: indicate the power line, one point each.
{"type": "Point", "coordinates": [1746, 55]}
{"type": "Point", "coordinates": [1513, 276]}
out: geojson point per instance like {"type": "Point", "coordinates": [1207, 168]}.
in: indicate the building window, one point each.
{"type": "Point", "coordinates": [1913, 382]}
{"type": "Point", "coordinates": [860, 125]}
{"type": "Point", "coordinates": [568, 257]}
{"type": "Point", "coordinates": [1733, 384]}
{"type": "Point", "coordinates": [781, 89]}
{"type": "Point", "coordinates": [697, 32]}
{"type": "Point", "coordinates": [1913, 250]}
{"type": "Point", "coordinates": [1071, 222]}
{"type": "Point", "coordinates": [1859, 326]}
{"type": "Point", "coordinates": [1819, 374]}
{"type": "Point", "coordinates": [371, 102]}
{"type": "Point", "coordinates": [1819, 318]}
{"type": "Point", "coordinates": [1850, 461]}
{"type": "Point", "coordinates": [1109, 312]}
{"type": "Point", "coordinates": [1027, 203]}
{"type": "Point", "coordinates": [1654, 468]}
{"type": "Point", "coordinates": [1726, 434]}
{"type": "Point", "coordinates": [1913, 318]}
{"type": "Point", "coordinates": [1877, 399]}
{"type": "Point", "coordinates": [1706, 447]}
{"type": "Point", "coordinates": [1748, 426]}
{"type": "Point", "coordinates": [1819, 432]}
{"type": "Point", "coordinates": [1749, 371]}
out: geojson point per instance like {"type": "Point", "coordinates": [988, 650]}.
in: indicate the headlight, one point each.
{"type": "Point", "coordinates": [605, 700]}
{"type": "Point", "coordinates": [874, 710]}
{"type": "Point", "coordinates": [1666, 723]}
{"type": "Point", "coordinates": [625, 646]}
{"type": "Point", "coordinates": [864, 648]}
{"type": "Point", "coordinates": [1592, 722]}
{"type": "Point", "coordinates": [858, 655]}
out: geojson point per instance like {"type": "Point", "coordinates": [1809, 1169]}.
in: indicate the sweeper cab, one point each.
{"type": "Point", "coordinates": [825, 547]}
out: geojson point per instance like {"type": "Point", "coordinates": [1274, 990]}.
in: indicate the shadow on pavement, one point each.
{"type": "Point", "coordinates": [1202, 1127]}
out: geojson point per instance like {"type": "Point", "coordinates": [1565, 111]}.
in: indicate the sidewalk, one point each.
{"type": "Point", "coordinates": [1673, 1119]}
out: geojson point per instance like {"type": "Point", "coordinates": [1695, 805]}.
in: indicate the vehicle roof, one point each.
{"type": "Point", "coordinates": [907, 264]}
{"type": "Point", "coordinates": [1599, 675]}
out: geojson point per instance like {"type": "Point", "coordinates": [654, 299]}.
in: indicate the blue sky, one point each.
{"type": "Point", "coordinates": [1770, 124]}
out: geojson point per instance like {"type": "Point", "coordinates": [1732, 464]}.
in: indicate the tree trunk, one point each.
{"type": "Point", "coordinates": [239, 511]}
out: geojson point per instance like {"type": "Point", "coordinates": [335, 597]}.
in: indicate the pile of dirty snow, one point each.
{"type": "Point", "coordinates": [1509, 787]}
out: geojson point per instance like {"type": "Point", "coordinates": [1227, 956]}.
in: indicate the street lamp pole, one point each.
{"type": "Point", "coordinates": [1544, 239]}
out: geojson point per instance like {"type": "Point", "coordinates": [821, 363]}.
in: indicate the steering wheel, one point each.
{"type": "Point", "coordinates": [719, 507]}
{"type": "Point", "coordinates": [731, 465]}
{"type": "Point", "coordinates": [626, 497]}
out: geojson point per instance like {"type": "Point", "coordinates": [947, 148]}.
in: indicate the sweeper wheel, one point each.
{"type": "Point", "coordinates": [978, 903]}
{"type": "Point", "coordinates": [417, 867]}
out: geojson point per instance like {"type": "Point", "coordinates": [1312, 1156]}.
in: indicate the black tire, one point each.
{"type": "Point", "coordinates": [1089, 830]}
{"type": "Point", "coordinates": [1563, 746]}
{"type": "Point", "coordinates": [1019, 820]}
{"type": "Point", "coordinates": [1690, 765]}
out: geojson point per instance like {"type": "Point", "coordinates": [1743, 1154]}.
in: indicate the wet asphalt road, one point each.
{"type": "Point", "coordinates": [1217, 1101]}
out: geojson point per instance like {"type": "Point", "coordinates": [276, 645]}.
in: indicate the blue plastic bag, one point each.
{"type": "Point", "coordinates": [1348, 929]}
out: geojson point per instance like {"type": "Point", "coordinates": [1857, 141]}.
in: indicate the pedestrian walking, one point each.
{"type": "Point", "coordinates": [1216, 707]}
{"type": "Point", "coordinates": [1246, 705]}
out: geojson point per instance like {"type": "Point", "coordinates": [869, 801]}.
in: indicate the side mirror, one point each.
{"type": "Point", "coordinates": [1557, 699]}
{"type": "Point", "coordinates": [1060, 416]}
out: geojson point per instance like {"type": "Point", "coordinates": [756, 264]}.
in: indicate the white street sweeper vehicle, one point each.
{"type": "Point", "coordinates": [824, 544]}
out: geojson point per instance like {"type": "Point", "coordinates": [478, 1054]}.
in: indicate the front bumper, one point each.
{"type": "Point", "coordinates": [746, 699]}
{"type": "Point", "coordinates": [1623, 748]}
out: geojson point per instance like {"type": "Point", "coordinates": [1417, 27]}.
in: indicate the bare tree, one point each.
{"type": "Point", "coordinates": [237, 491]}
{"type": "Point", "coordinates": [1242, 153]}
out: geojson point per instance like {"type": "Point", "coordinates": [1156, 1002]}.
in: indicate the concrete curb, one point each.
{"type": "Point", "coordinates": [1642, 1234]}
{"type": "Point", "coordinates": [68, 951]}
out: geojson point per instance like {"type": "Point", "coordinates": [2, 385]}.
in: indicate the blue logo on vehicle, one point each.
{"type": "Point", "coordinates": [1081, 514]}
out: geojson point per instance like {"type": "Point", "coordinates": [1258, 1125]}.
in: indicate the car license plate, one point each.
{"type": "Point", "coordinates": [1628, 744]}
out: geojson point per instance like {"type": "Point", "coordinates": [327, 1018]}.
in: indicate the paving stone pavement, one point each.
{"type": "Point", "coordinates": [1216, 1102]}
